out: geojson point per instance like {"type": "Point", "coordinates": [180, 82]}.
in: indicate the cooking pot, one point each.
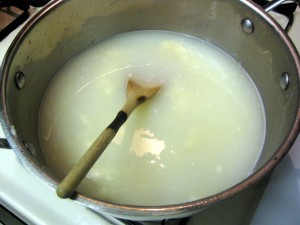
{"type": "Point", "coordinates": [64, 28]}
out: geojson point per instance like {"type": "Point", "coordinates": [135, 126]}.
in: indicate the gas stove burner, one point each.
{"type": "Point", "coordinates": [18, 10]}
{"type": "Point", "coordinates": [286, 10]}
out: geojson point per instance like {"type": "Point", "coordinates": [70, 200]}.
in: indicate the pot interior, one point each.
{"type": "Point", "coordinates": [65, 28]}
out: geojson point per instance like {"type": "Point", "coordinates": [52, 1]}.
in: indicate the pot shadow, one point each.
{"type": "Point", "coordinates": [280, 203]}
{"type": "Point", "coordinates": [237, 210]}
{"type": "Point", "coordinates": [273, 201]}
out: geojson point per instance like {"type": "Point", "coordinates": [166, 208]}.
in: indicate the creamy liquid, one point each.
{"type": "Point", "coordinates": [201, 134]}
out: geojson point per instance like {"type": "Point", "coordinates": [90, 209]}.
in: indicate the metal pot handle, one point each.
{"type": "Point", "coordinates": [273, 4]}
{"type": "Point", "coordinates": [286, 9]}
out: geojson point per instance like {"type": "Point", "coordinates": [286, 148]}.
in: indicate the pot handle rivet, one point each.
{"type": "Point", "coordinates": [284, 81]}
{"type": "Point", "coordinates": [20, 80]}
{"type": "Point", "coordinates": [247, 26]}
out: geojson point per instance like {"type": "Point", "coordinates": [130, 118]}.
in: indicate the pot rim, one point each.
{"type": "Point", "coordinates": [130, 211]}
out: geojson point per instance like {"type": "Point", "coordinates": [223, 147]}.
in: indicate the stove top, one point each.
{"type": "Point", "coordinates": [34, 203]}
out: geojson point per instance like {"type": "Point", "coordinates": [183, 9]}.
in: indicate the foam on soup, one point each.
{"type": "Point", "coordinates": [202, 134]}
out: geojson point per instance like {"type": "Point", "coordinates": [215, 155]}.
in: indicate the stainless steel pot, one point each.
{"type": "Point", "coordinates": [64, 28]}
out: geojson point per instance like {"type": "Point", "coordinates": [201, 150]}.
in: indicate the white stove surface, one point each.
{"type": "Point", "coordinates": [35, 203]}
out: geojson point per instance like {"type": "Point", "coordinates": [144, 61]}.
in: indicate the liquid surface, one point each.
{"type": "Point", "coordinates": [202, 134]}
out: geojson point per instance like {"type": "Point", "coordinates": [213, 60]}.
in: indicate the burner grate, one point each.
{"type": "Point", "coordinates": [15, 12]}
{"type": "Point", "coordinates": [286, 9]}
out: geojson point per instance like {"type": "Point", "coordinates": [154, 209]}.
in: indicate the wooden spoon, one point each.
{"type": "Point", "coordinates": [136, 95]}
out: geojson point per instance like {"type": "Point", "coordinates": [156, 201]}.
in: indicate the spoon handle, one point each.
{"type": "Point", "coordinates": [78, 172]}
{"type": "Point", "coordinates": [136, 95]}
